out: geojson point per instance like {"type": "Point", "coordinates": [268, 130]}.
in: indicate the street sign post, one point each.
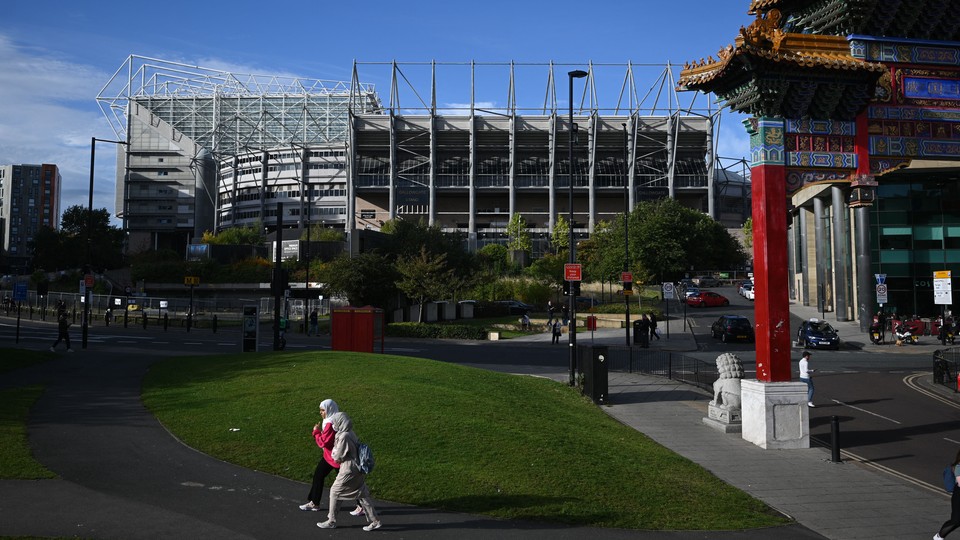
{"type": "Point", "coordinates": [573, 272]}
{"type": "Point", "coordinates": [942, 289]}
{"type": "Point", "coordinates": [882, 293]}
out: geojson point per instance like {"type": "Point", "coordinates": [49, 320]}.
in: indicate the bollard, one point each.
{"type": "Point", "coordinates": [189, 321]}
{"type": "Point", "coordinates": [144, 320]}
{"type": "Point", "coordinates": [835, 439]}
{"type": "Point", "coordinates": [213, 324]}
{"type": "Point", "coordinates": [166, 321]}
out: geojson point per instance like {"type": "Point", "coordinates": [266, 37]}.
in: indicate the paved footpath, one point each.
{"type": "Point", "coordinates": [121, 475]}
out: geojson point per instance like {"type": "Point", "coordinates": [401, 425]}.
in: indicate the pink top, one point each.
{"type": "Point", "coordinates": [325, 440]}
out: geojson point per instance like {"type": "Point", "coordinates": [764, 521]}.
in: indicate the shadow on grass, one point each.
{"type": "Point", "coordinates": [523, 506]}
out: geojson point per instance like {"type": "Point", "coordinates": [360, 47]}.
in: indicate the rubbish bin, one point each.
{"type": "Point", "coordinates": [595, 375]}
{"type": "Point", "coordinates": [636, 332]}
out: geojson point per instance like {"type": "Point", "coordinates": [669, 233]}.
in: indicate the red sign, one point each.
{"type": "Point", "coordinates": [572, 272]}
{"type": "Point", "coordinates": [88, 281]}
{"type": "Point", "coordinates": [626, 277]}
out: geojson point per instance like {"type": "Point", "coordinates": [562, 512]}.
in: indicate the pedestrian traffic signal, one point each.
{"type": "Point", "coordinates": [566, 288]}
{"type": "Point", "coordinates": [628, 286]}
{"type": "Point", "coordinates": [281, 282]}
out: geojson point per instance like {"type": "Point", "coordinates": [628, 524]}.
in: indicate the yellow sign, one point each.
{"type": "Point", "coordinates": [628, 292]}
{"type": "Point", "coordinates": [191, 280]}
{"type": "Point", "coordinates": [941, 274]}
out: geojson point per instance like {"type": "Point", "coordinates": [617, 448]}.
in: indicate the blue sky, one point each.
{"type": "Point", "coordinates": [55, 56]}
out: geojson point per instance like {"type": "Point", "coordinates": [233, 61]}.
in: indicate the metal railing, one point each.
{"type": "Point", "coordinates": [673, 366]}
{"type": "Point", "coordinates": [946, 363]}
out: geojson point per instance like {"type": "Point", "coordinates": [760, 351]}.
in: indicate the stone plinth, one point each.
{"type": "Point", "coordinates": [724, 419]}
{"type": "Point", "coordinates": [775, 415]}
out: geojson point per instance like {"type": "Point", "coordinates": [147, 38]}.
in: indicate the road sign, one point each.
{"type": "Point", "coordinates": [572, 272]}
{"type": "Point", "coordinates": [191, 280]}
{"type": "Point", "coordinates": [668, 291]}
{"type": "Point", "coordinates": [626, 277]}
{"type": "Point", "coordinates": [942, 289]}
{"type": "Point", "coordinates": [881, 278]}
{"type": "Point", "coordinates": [20, 292]}
{"type": "Point", "coordinates": [88, 281]}
{"type": "Point", "coordinates": [882, 293]}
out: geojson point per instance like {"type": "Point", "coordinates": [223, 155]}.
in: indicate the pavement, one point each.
{"type": "Point", "coordinates": [122, 475]}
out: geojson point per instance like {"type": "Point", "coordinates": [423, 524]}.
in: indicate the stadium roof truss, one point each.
{"type": "Point", "coordinates": [229, 113]}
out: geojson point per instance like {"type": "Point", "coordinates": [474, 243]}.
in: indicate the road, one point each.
{"type": "Point", "coordinates": [885, 418]}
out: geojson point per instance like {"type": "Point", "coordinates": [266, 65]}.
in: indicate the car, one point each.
{"type": "Point", "coordinates": [586, 302]}
{"type": "Point", "coordinates": [748, 292]}
{"type": "Point", "coordinates": [732, 328]}
{"type": "Point", "coordinates": [692, 290]}
{"type": "Point", "coordinates": [707, 299]}
{"type": "Point", "coordinates": [706, 281]}
{"type": "Point", "coordinates": [515, 307]}
{"type": "Point", "coordinates": [685, 284]}
{"type": "Point", "coordinates": [816, 334]}
{"type": "Point", "coordinates": [743, 287]}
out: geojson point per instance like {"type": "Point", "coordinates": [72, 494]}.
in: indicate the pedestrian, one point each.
{"type": "Point", "coordinates": [557, 331]}
{"type": "Point", "coordinates": [63, 323]}
{"type": "Point", "coordinates": [954, 520]}
{"type": "Point", "coordinates": [314, 324]}
{"type": "Point", "coordinates": [323, 434]}
{"type": "Point", "coordinates": [551, 310]}
{"type": "Point", "coordinates": [805, 372]}
{"type": "Point", "coordinates": [654, 333]}
{"type": "Point", "coordinates": [351, 482]}
{"type": "Point", "coordinates": [525, 321]}
{"type": "Point", "coordinates": [644, 331]}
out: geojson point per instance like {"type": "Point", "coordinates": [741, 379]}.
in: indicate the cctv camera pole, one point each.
{"type": "Point", "coordinates": [277, 293]}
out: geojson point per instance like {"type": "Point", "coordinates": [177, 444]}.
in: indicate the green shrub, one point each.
{"type": "Point", "coordinates": [436, 331]}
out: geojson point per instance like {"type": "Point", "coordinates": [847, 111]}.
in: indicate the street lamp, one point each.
{"type": "Point", "coordinates": [626, 229]}
{"type": "Point", "coordinates": [87, 296]}
{"type": "Point", "coordinates": [575, 74]}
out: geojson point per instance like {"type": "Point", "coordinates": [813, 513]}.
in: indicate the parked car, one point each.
{"type": "Point", "coordinates": [732, 328]}
{"type": "Point", "coordinates": [748, 292]}
{"type": "Point", "coordinates": [816, 333]}
{"type": "Point", "coordinates": [707, 299]}
{"type": "Point", "coordinates": [586, 302]}
{"type": "Point", "coordinates": [706, 281]}
{"type": "Point", "coordinates": [744, 285]}
{"type": "Point", "coordinates": [685, 284]}
{"type": "Point", "coordinates": [515, 307]}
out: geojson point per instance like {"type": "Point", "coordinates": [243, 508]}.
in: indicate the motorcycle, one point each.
{"type": "Point", "coordinates": [876, 333]}
{"type": "Point", "coordinates": [946, 333]}
{"type": "Point", "coordinates": [904, 335]}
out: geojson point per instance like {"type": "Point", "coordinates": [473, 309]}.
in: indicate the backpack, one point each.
{"type": "Point", "coordinates": [949, 479]}
{"type": "Point", "coordinates": [365, 459]}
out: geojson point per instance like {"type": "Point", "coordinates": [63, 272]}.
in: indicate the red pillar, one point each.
{"type": "Point", "coordinates": [772, 304]}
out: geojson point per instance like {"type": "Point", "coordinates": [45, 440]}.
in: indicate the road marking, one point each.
{"type": "Point", "coordinates": [951, 440]}
{"type": "Point", "coordinates": [911, 381]}
{"type": "Point", "coordinates": [837, 401]}
{"type": "Point", "coordinates": [229, 343]}
{"type": "Point", "coordinates": [938, 489]}
{"type": "Point", "coordinates": [126, 341]}
{"type": "Point", "coordinates": [192, 343]}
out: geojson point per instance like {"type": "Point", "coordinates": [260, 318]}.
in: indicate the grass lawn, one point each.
{"type": "Point", "coordinates": [11, 359]}
{"type": "Point", "coordinates": [446, 436]}
{"type": "Point", "coordinates": [15, 458]}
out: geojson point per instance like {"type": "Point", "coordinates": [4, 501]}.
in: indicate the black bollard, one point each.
{"type": "Point", "coordinates": [835, 439]}
{"type": "Point", "coordinates": [166, 321]}
{"type": "Point", "coordinates": [144, 320]}
{"type": "Point", "coordinates": [213, 324]}
{"type": "Point", "coordinates": [189, 321]}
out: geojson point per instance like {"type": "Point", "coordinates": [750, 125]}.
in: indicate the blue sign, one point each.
{"type": "Point", "coordinates": [20, 292]}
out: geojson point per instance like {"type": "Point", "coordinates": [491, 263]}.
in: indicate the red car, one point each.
{"type": "Point", "coordinates": [707, 299]}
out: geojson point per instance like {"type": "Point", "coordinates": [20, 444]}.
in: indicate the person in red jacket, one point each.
{"type": "Point", "coordinates": [323, 434]}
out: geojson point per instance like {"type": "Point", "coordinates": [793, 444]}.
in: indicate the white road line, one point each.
{"type": "Point", "coordinates": [948, 439]}
{"type": "Point", "coordinates": [230, 343]}
{"type": "Point", "coordinates": [837, 401]}
{"type": "Point", "coordinates": [910, 380]}
{"type": "Point", "coordinates": [192, 343]}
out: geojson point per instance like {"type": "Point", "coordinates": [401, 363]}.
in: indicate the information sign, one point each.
{"type": "Point", "coordinates": [572, 272]}
{"type": "Point", "coordinates": [942, 289]}
{"type": "Point", "coordinates": [626, 277]}
{"type": "Point", "coordinates": [882, 293]}
{"type": "Point", "coordinates": [668, 291]}
{"type": "Point", "coordinates": [20, 292]}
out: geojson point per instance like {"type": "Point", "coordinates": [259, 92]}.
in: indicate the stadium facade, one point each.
{"type": "Point", "coordinates": [210, 150]}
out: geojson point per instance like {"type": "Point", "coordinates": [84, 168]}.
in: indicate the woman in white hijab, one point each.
{"type": "Point", "coordinates": [323, 434]}
{"type": "Point", "coordinates": [350, 482]}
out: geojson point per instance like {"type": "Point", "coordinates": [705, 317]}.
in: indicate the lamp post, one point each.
{"type": "Point", "coordinates": [626, 230]}
{"type": "Point", "coordinates": [87, 296]}
{"type": "Point", "coordinates": [575, 74]}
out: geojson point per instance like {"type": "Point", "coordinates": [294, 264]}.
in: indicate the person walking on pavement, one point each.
{"type": "Point", "coordinates": [551, 310]}
{"type": "Point", "coordinates": [63, 323]}
{"type": "Point", "coordinates": [653, 326]}
{"type": "Point", "coordinates": [644, 331]}
{"type": "Point", "coordinates": [314, 324]}
{"type": "Point", "coordinates": [557, 332]}
{"type": "Point", "coordinates": [323, 435]}
{"type": "Point", "coordinates": [805, 372]}
{"type": "Point", "coordinates": [954, 520]}
{"type": "Point", "coordinates": [351, 482]}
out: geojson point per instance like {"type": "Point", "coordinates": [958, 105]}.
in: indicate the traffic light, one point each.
{"type": "Point", "coordinates": [43, 287]}
{"type": "Point", "coordinates": [628, 286]}
{"type": "Point", "coordinates": [569, 286]}
{"type": "Point", "coordinates": [566, 288]}
{"type": "Point", "coordinates": [281, 282]}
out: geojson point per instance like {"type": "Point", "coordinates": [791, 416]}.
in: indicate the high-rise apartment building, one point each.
{"type": "Point", "coordinates": [29, 200]}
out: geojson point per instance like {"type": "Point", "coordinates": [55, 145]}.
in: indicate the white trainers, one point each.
{"type": "Point", "coordinates": [358, 511]}
{"type": "Point", "coordinates": [810, 404]}
{"type": "Point", "coordinates": [309, 507]}
{"type": "Point", "coordinates": [372, 526]}
{"type": "Point", "coordinates": [327, 524]}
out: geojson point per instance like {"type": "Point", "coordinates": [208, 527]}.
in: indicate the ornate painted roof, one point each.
{"type": "Point", "coordinates": [913, 19]}
{"type": "Point", "coordinates": [769, 72]}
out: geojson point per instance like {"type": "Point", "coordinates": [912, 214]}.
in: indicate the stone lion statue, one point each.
{"type": "Point", "coordinates": [726, 390]}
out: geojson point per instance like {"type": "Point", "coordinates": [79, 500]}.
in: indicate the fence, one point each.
{"type": "Point", "coordinates": [673, 366]}
{"type": "Point", "coordinates": [945, 367]}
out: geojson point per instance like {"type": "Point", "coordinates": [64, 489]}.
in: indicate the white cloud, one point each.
{"type": "Point", "coordinates": [48, 113]}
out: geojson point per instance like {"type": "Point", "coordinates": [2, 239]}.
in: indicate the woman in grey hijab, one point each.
{"type": "Point", "coordinates": [350, 483]}
{"type": "Point", "coordinates": [323, 435]}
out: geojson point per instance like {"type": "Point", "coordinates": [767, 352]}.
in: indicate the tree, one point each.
{"type": "Point", "coordinates": [366, 279]}
{"type": "Point", "coordinates": [748, 233]}
{"type": "Point", "coordinates": [519, 234]}
{"type": "Point", "coordinates": [80, 242]}
{"type": "Point", "coordinates": [560, 238]}
{"type": "Point", "coordinates": [320, 233]}
{"type": "Point", "coordinates": [236, 236]}
{"type": "Point", "coordinates": [424, 277]}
